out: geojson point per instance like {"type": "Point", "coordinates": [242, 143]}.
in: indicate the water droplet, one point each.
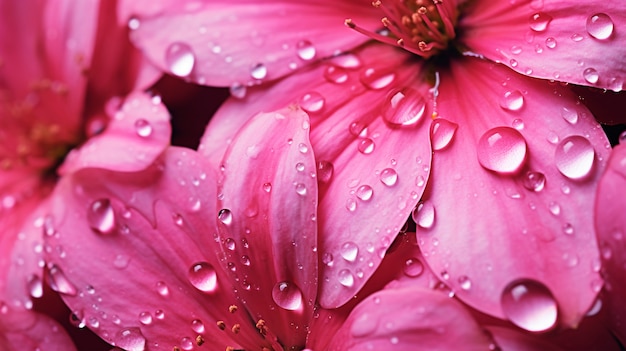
{"type": "Point", "coordinates": [351, 204]}
{"type": "Point", "coordinates": [464, 282]}
{"type": "Point", "coordinates": [404, 108]}
{"type": "Point", "coordinates": [259, 71]}
{"type": "Point", "coordinates": [550, 42]}
{"type": "Point", "coordinates": [516, 50]}
{"type": "Point", "coordinates": [134, 23]}
{"type": "Point", "coordinates": [198, 326]}
{"type": "Point", "coordinates": [441, 133]}
{"type": "Point", "coordinates": [306, 50]}
{"type": "Point", "coordinates": [534, 181]}
{"type": "Point", "coordinates": [121, 261]}
{"type": "Point", "coordinates": [413, 267]}
{"type": "Point", "coordinates": [230, 244]}
{"type": "Point", "coordinates": [512, 100]}
{"type": "Point", "coordinates": [77, 319]}
{"type": "Point", "coordinates": [312, 102]}
{"type": "Point", "coordinates": [349, 61]}
{"type": "Point", "coordinates": [568, 228]}
{"type": "Point", "coordinates": [143, 128]}
{"type": "Point", "coordinates": [364, 192]}
{"type": "Point", "coordinates": [539, 21]}
{"type": "Point", "coordinates": [502, 150]}
{"type": "Point", "coordinates": [162, 289]}
{"type": "Point", "coordinates": [577, 37]}
{"type": "Point", "coordinates": [180, 59]}
{"type": "Point", "coordinates": [366, 146]}
{"type": "Point", "coordinates": [186, 344]}
{"type": "Point", "coordinates": [574, 157]}
{"type": "Point", "coordinates": [530, 305]}
{"type": "Point", "coordinates": [376, 79]}
{"type": "Point", "coordinates": [267, 187]}
{"type": "Point", "coordinates": [145, 318]}
{"type": "Point", "coordinates": [303, 148]}
{"type": "Point", "coordinates": [345, 278]}
{"type": "Point", "coordinates": [518, 124]}
{"type": "Point", "coordinates": [600, 26]}
{"type": "Point", "coordinates": [203, 277]}
{"type": "Point", "coordinates": [225, 216]}
{"type": "Point", "coordinates": [349, 251]}
{"type": "Point", "coordinates": [328, 259]}
{"type": "Point", "coordinates": [287, 296]}
{"type": "Point", "coordinates": [238, 90]}
{"type": "Point", "coordinates": [325, 171]}
{"type": "Point", "coordinates": [34, 286]}
{"type": "Point", "coordinates": [591, 75]}
{"type": "Point", "coordinates": [300, 189]}
{"type": "Point", "coordinates": [130, 339]}
{"type": "Point", "coordinates": [424, 214]}
{"type": "Point", "coordinates": [389, 176]}
{"type": "Point", "coordinates": [570, 115]}
{"type": "Point", "coordinates": [59, 282]}
{"type": "Point", "coordinates": [335, 74]}
{"type": "Point", "coordinates": [101, 217]}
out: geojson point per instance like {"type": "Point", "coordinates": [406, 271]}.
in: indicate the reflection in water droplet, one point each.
{"type": "Point", "coordinates": [600, 26]}
{"type": "Point", "coordinates": [441, 133]}
{"type": "Point", "coordinates": [539, 21]}
{"type": "Point", "coordinates": [349, 251]}
{"type": "Point", "coordinates": [34, 286]}
{"type": "Point", "coordinates": [389, 176]}
{"type": "Point", "coordinates": [574, 157]}
{"type": "Point", "coordinates": [101, 217]}
{"type": "Point", "coordinates": [345, 278]}
{"type": "Point", "coordinates": [203, 277]}
{"type": "Point", "coordinates": [143, 128]}
{"type": "Point", "coordinates": [424, 214]}
{"type": "Point", "coordinates": [530, 305]}
{"type": "Point", "coordinates": [300, 189]}
{"type": "Point", "coordinates": [502, 150]}
{"type": "Point", "coordinates": [413, 267]}
{"type": "Point", "coordinates": [512, 100]}
{"type": "Point", "coordinates": [130, 339]}
{"type": "Point", "coordinates": [325, 171]}
{"type": "Point", "coordinates": [180, 59]}
{"type": "Point", "coordinates": [238, 90]}
{"type": "Point", "coordinates": [287, 296]}
{"type": "Point", "coordinates": [162, 289]}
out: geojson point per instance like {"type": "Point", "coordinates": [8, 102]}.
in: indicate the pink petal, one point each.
{"type": "Point", "coordinates": [140, 264]}
{"type": "Point", "coordinates": [137, 134]}
{"type": "Point", "coordinates": [27, 330]}
{"type": "Point", "coordinates": [268, 226]}
{"type": "Point", "coordinates": [611, 228]}
{"type": "Point", "coordinates": [241, 43]}
{"type": "Point", "coordinates": [410, 319]}
{"type": "Point", "coordinates": [512, 340]}
{"type": "Point", "coordinates": [511, 195]}
{"type": "Point", "coordinates": [563, 40]}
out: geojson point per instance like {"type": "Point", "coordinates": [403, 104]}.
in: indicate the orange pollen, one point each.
{"type": "Point", "coordinates": [199, 340]}
{"type": "Point", "coordinates": [221, 325]}
{"type": "Point", "coordinates": [236, 328]}
{"type": "Point", "coordinates": [232, 308]}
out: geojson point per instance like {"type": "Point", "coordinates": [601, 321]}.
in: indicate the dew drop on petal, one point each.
{"type": "Point", "coordinates": [186, 344]}
{"type": "Point", "coordinates": [143, 128]}
{"type": "Point", "coordinates": [267, 187]}
{"type": "Point", "coordinates": [325, 171]}
{"type": "Point", "coordinates": [238, 90]}
{"type": "Point", "coordinates": [351, 204]}
{"type": "Point", "coordinates": [376, 79]}
{"type": "Point", "coordinates": [441, 133]}
{"type": "Point", "coordinates": [203, 277]}
{"type": "Point", "coordinates": [550, 43]}
{"type": "Point", "coordinates": [349, 251]}
{"type": "Point", "coordinates": [534, 181]}
{"type": "Point", "coordinates": [570, 115]}
{"type": "Point", "coordinates": [101, 217]}
{"type": "Point", "coordinates": [59, 282]}
{"type": "Point", "coordinates": [404, 108]}
{"type": "Point", "coordinates": [502, 150]}
{"type": "Point", "coordinates": [300, 189]}
{"type": "Point", "coordinates": [539, 21]}
{"type": "Point", "coordinates": [162, 289]}
{"type": "Point", "coordinates": [424, 214]}
{"type": "Point", "coordinates": [512, 100]}
{"type": "Point", "coordinates": [464, 282]}
{"type": "Point", "coordinates": [258, 71]}
{"type": "Point", "coordinates": [574, 157]}
{"type": "Point", "coordinates": [145, 318]}
{"type": "Point", "coordinates": [591, 75]}
{"type": "Point", "coordinates": [530, 305]}
{"type": "Point", "coordinates": [225, 216]}
{"type": "Point", "coordinates": [350, 61]}
{"type": "Point", "coordinates": [180, 59]}
{"type": "Point", "coordinates": [389, 177]}
{"type": "Point", "coordinates": [198, 326]}
{"type": "Point", "coordinates": [600, 26]}
{"type": "Point", "coordinates": [336, 74]}
{"type": "Point", "coordinates": [364, 192]}
{"type": "Point", "coordinates": [366, 146]}
{"type": "Point", "coordinates": [312, 102]}
{"type": "Point", "coordinates": [345, 278]}
{"type": "Point", "coordinates": [413, 267]}
{"type": "Point", "coordinates": [287, 296]}
{"type": "Point", "coordinates": [306, 50]}
{"type": "Point", "coordinates": [35, 286]}
{"type": "Point", "coordinates": [130, 339]}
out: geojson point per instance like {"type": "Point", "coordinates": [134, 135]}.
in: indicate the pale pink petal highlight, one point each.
{"type": "Point", "coordinates": [27, 330]}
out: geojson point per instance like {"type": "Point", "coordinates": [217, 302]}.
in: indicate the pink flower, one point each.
{"type": "Point", "coordinates": [515, 159]}
{"type": "Point", "coordinates": [55, 78]}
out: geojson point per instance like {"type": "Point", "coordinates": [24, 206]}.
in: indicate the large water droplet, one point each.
{"type": "Point", "coordinates": [225, 216]}
{"type": "Point", "coordinates": [512, 100]}
{"type": "Point", "coordinates": [364, 192]}
{"type": "Point", "coordinates": [306, 51]}
{"type": "Point", "coordinates": [143, 128]}
{"type": "Point", "coordinates": [345, 278]}
{"type": "Point", "coordinates": [130, 339]}
{"type": "Point", "coordinates": [424, 214]}
{"type": "Point", "coordinates": [287, 295]}
{"type": "Point", "coordinates": [389, 176]}
{"type": "Point", "coordinates": [530, 305]}
{"type": "Point", "coordinates": [404, 108]}
{"type": "Point", "coordinates": [502, 150]}
{"type": "Point", "coordinates": [600, 26]}
{"type": "Point", "coordinates": [203, 277]}
{"type": "Point", "coordinates": [413, 267]}
{"type": "Point", "coordinates": [574, 157]}
{"type": "Point", "coordinates": [376, 79]}
{"type": "Point", "coordinates": [59, 282]}
{"type": "Point", "coordinates": [441, 133]}
{"type": "Point", "coordinates": [325, 171]}
{"type": "Point", "coordinates": [180, 59]}
{"type": "Point", "coordinates": [101, 217]}
{"type": "Point", "coordinates": [312, 102]}
{"type": "Point", "coordinates": [539, 21]}
{"type": "Point", "coordinates": [349, 251]}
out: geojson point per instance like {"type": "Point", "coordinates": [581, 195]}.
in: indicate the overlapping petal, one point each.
{"type": "Point", "coordinates": [503, 211]}
{"type": "Point", "coordinates": [244, 43]}
{"type": "Point", "coordinates": [552, 39]}
{"type": "Point", "coordinates": [20, 330]}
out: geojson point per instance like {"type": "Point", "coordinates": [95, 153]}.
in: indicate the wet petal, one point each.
{"type": "Point", "coordinates": [241, 42]}
{"type": "Point", "coordinates": [507, 202]}
{"type": "Point", "coordinates": [137, 134]}
{"type": "Point", "coordinates": [611, 231]}
{"type": "Point", "coordinates": [410, 319]}
{"type": "Point", "coordinates": [267, 220]}
{"type": "Point", "coordinates": [513, 340]}
{"type": "Point", "coordinates": [141, 267]}
{"type": "Point", "coordinates": [27, 330]}
{"type": "Point", "coordinates": [561, 40]}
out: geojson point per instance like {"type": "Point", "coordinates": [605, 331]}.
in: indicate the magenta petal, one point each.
{"type": "Point", "coordinates": [510, 199]}
{"type": "Point", "coordinates": [512, 340]}
{"type": "Point", "coordinates": [198, 39]}
{"type": "Point", "coordinates": [410, 319]}
{"type": "Point", "coordinates": [611, 229]}
{"type": "Point", "coordinates": [137, 134]}
{"type": "Point", "coordinates": [562, 40]}
{"type": "Point", "coordinates": [27, 330]}
{"type": "Point", "coordinates": [134, 256]}
{"type": "Point", "coordinates": [268, 222]}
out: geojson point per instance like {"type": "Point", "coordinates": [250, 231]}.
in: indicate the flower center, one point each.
{"type": "Point", "coordinates": [423, 27]}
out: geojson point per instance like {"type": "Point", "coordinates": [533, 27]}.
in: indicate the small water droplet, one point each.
{"type": "Point", "coordinates": [328, 259]}
{"type": "Point", "coordinates": [300, 189]}
{"type": "Point", "coordinates": [186, 344]}
{"type": "Point", "coordinates": [551, 43]}
{"type": "Point", "coordinates": [287, 296]}
{"type": "Point", "coordinates": [130, 339]}
{"type": "Point", "coordinates": [518, 124]}
{"type": "Point", "coordinates": [258, 71]}
{"type": "Point", "coordinates": [325, 171]}
{"type": "Point", "coordinates": [59, 282]}
{"type": "Point", "coordinates": [404, 108]}
{"type": "Point", "coordinates": [464, 282]}
{"type": "Point", "coordinates": [203, 277]}
{"type": "Point", "coordinates": [238, 90]}
{"type": "Point", "coordinates": [267, 187]}
{"type": "Point", "coordinates": [366, 146]}
{"type": "Point", "coordinates": [539, 21]}
{"type": "Point", "coordinates": [568, 229]}
{"type": "Point", "coordinates": [530, 305]}
{"type": "Point", "coordinates": [502, 150]}
{"type": "Point", "coordinates": [305, 49]}
{"type": "Point", "coordinates": [335, 74]}
{"type": "Point", "coordinates": [345, 278]}
{"type": "Point", "coordinates": [534, 181]}
{"type": "Point", "coordinates": [145, 318]}
{"type": "Point", "coordinates": [198, 326]}
{"type": "Point", "coordinates": [600, 26]}
{"type": "Point", "coordinates": [376, 79]}
{"type": "Point", "coordinates": [389, 176]}
{"type": "Point", "coordinates": [574, 157]}
{"type": "Point", "coordinates": [591, 75]}
{"type": "Point", "coordinates": [230, 244]}
{"type": "Point", "coordinates": [225, 216]}
{"type": "Point", "coordinates": [347, 60]}
{"type": "Point", "coordinates": [101, 217]}
{"type": "Point", "coordinates": [570, 115]}
{"type": "Point", "coordinates": [512, 100]}
{"type": "Point", "coordinates": [162, 289]}
{"type": "Point", "coordinates": [351, 204]}
{"type": "Point", "coordinates": [312, 102]}
{"type": "Point", "coordinates": [424, 214]}
{"type": "Point", "coordinates": [441, 133]}
{"type": "Point", "coordinates": [349, 251]}
{"type": "Point", "coordinates": [34, 286]}
{"type": "Point", "coordinates": [180, 59]}
{"type": "Point", "coordinates": [364, 192]}
{"type": "Point", "coordinates": [413, 267]}
{"type": "Point", "coordinates": [303, 148]}
{"type": "Point", "coordinates": [143, 128]}
{"type": "Point", "coordinates": [516, 50]}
